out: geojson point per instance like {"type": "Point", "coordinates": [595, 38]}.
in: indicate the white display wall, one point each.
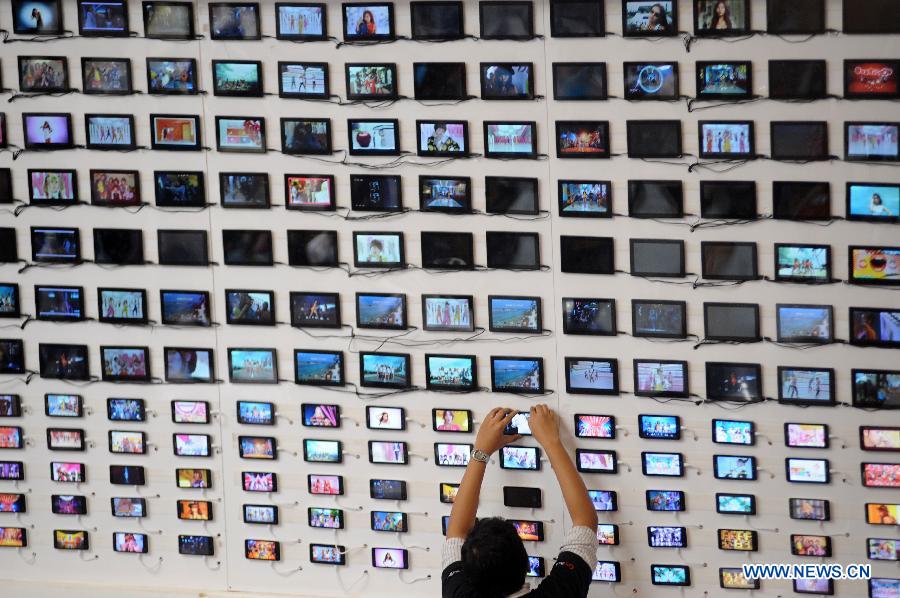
{"type": "Point", "coordinates": [164, 568]}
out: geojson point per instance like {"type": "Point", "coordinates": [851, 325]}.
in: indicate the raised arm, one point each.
{"type": "Point", "coordinates": [543, 425]}
{"type": "Point", "coordinates": [490, 439]}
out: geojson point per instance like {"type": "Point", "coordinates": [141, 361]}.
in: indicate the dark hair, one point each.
{"type": "Point", "coordinates": [494, 558]}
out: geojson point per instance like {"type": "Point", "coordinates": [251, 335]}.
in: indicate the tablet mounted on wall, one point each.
{"type": "Point", "coordinates": [873, 202]}
{"type": "Point", "coordinates": [579, 81]}
{"type": "Point", "coordinates": [804, 141]}
{"type": "Point", "coordinates": [732, 322]}
{"type": "Point", "coordinates": [660, 378]}
{"type": "Point", "coordinates": [654, 138]}
{"type": "Point", "coordinates": [795, 17]}
{"type": "Point", "coordinates": [506, 20]}
{"type": "Point", "coordinates": [728, 261]}
{"type": "Point", "coordinates": [577, 18]}
{"type": "Point", "coordinates": [797, 79]}
{"type": "Point", "coordinates": [587, 255]}
{"type": "Point", "coordinates": [437, 21]}
{"type": "Point", "coordinates": [589, 316]}
{"type": "Point", "coordinates": [439, 80]}
{"type": "Point", "coordinates": [368, 22]}
{"type": "Point", "coordinates": [651, 81]}
{"type": "Point", "coordinates": [658, 319]}
{"type": "Point", "coordinates": [806, 386]}
{"type": "Point", "coordinates": [801, 200]}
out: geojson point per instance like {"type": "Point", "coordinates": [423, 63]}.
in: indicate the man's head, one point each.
{"type": "Point", "coordinates": [494, 557]}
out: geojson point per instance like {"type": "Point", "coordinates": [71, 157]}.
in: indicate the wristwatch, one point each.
{"type": "Point", "coordinates": [480, 455]}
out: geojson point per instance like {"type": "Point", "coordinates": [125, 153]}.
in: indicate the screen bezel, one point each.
{"type": "Point", "coordinates": [21, 60]}
{"type": "Point", "coordinates": [482, 72]}
{"type": "Point", "coordinates": [614, 370]}
{"type": "Point", "coordinates": [752, 498]}
{"type": "Point", "coordinates": [753, 467]}
{"type": "Point", "coordinates": [340, 451]}
{"type": "Point", "coordinates": [113, 320]}
{"type": "Point", "coordinates": [401, 410]}
{"type": "Point", "coordinates": [802, 279]}
{"type": "Point", "coordinates": [230, 236]}
{"type": "Point", "coordinates": [849, 63]}
{"type": "Point", "coordinates": [754, 539]}
{"type": "Point", "coordinates": [774, 126]}
{"type": "Point", "coordinates": [143, 445]}
{"type": "Point", "coordinates": [472, 386]}
{"type": "Point", "coordinates": [706, 245]}
{"type": "Point", "coordinates": [532, 154]}
{"type": "Point", "coordinates": [735, 32]}
{"type": "Point", "coordinates": [395, 125]}
{"type": "Point", "coordinates": [316, 323]}
{"type": "Point", "coordinates": [325, 151]}
{"type": "Point", "coordinates": [862, 444]}
{"type": "Point", "coordinates": [862, 468]}
{"type": "Point", "coordinates": [173, 92]}
{"type": "Point", "coordinates": [156, 144]}
{"type": "Point", "coordinates": [170, 322]}
{"type": "Point", "coordinates": [752, 432]}
{"type": "Point", "coordinates": [529, 391]}
{"type": "Point", "coordinates": [683, 544]}
{"type": "Point", "coordinates": [682, 502]}
{"type": "Point", "coordinates": [443, 4]}
{"type": "Point", "coordinates": [675, 436]}
{"type": "Point", "coordinates": [390, 35]}
{"type": "Point", "coordinates": [262, 149]}
{"type": "Point", "coordinates": [855, 280]}
{"type": "Point", "coordinates": [279, 34]}
{"type": "Point", "coordinates": [309, 487]}
{"type": "Point", "coordinates": [467, 200]}
{"type": "Point", "coordinates": [213, 36]}
{"type": "Point", "coordinates": [192, 380]}
{"type": "Point", "coordinates": [561, 183]}
{"type": "Point", "coordinates": [827, 545]}
{"type": "Point", "coordinates": [174, 36]}
{"type": "Point", "coordinates": [425, 243]}
{"type": "Point", "coordinates": [491, 3]}
{"type": "Point", "coordinates": [135, 500]}
{"type": "Point", "coordinates": [206, 413]}
{"type": "Point", "coordinates": [537, 458]}
{"type": "Point", "coordinates": [38, 32]}
{"type": "Point", "coordinates": [848, 216]}
{"type": "Point", "coordinates": [32, 200]}
{"type": "Point", "coordinates": [805, 339]}
{"type": "Point", "coordinates": [491, 180]}
{"type": "Point", "coordinates": [471, 310]}
{"type": "Point", "coordinates": [340, 382]}
{"type": "Point", "coordinates": [38, 288]}
{"type": "Point", "coordinates": [638, 152]}
{"type": "Point", "coordinates": [121, 378]}
{"type": "Point", "coordinates": [399, 384]}
{"type": "Point", "coordinates": [401, 263]}
{"type": "Point", "coordinates": [497, 237]}
{"type": "Point", "coordinates": [78, 431]}
{"type": "Point", "coordinates": [326, 87]}
{"type": "Point", "coordinates": [48, 146]}
{"type": "Point", "coordinates": [437, 456]}
{"type": "Point", "coordinates": [218, 91]}
{"type": "Point", "coordinates": [466, 150]}
{"type": "Point", "coordinates": [271, 300]}
{"type": "Point", "coordinates": [685, 568]}
{"type": "Point", "coordinates": [601, 66]}
{"type": "Point", "coordinates": [635, 185]}
{"type": "Point", "coordinates": [390, 66]}
{"type": "Point", "coordinates": [865, 158]}
{"type": "Point", "coordinates": [567, 323]}
{"type": "Point", "coordinates": [756, 337]}
{"type": "Point", "coordinates": [711, 366]}
{"type": "Point", "coordinates": [404, 322]}
{"type": "Point", "coordinates": [681, 464]}
{"type": "Point", "coordinates": [208, 447]}
{"type": "Point", "coordinates": [787, 440]}
{"type": "Point", "coordinates": [679, 243]}
{"type": "Point", "coordinates": [682, 333]}
{"type": "Point", "coordinates": [750, 154]}
{"type": "Point", "coordinates": [562, 126]}
{"type": "Point", "coordinates": [662, 393]}
{"type": "Point", "coordinates": [673, 31]}
{"type": "Point", "coordinates": [787, 471]}
{"type": "Point", "coordinates": [85, 62]}
{"type": "Point", "coordinates": [612, 453]}
{"type": "Point", "coordinates": [404, 455]}
{"type": "Point", "coordinates": [701, 69]}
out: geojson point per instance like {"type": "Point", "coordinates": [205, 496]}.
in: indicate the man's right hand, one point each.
{"type": "Point", "coordinates": [543, 425]}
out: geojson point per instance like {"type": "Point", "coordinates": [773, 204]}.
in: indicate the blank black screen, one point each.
{"type": "Point", "coordinates": [796, 79]}
{"type": "Point", "coordinates": [579, 81]}
{"type": "Point", "coordinates": [872, 16]}
{"type": "Point", "coordinates": [728, 261]}
{"type": "Point", "coordinates": [512, 250]}
{"type": "Point", "coordinates": [793, 200]}
{"type": "Point", "coordinates": [654, 139]}
{"type": "Point", "coordinates": [587, 255]}
{"type": "Point", "coordinates": [799, 141]}
{"type": "Point", "coordinates": [8, 250]}
{"type": "Point", "coordinates": [578, 18]}
{"type": "Point", "coordinates": [510, 195]}
{"type": "Point", "coordinates": [655, 199]}
{"type": "Point", "coordinates": [440, 80]}
{"type": "Point", "coordinates": [447, 250]}
{"type": "Point", "coordinates": [317, 248]}
{"type": "Point", "coordinates": [247, 247]}
{"type": "Point", "coordinates": [506, 19]}
{"type": "Point", "coordinates": [183, 248]}
{"type": "Point", "coordinates": [118, 246]}
{"type": "Point", "coordinates": [436, 20]}
{"type": "Point", "coordinates": [728, 199]}
{"type": "Point", "coordinates": [731, 321]}
{"type": "Point", "coordinates": [657, 258]}
{"type": "Point", "coordinates": [796, 16]}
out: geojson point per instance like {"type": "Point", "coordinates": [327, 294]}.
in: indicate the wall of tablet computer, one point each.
{"type": "Point", "coordinates": [267, 265]}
